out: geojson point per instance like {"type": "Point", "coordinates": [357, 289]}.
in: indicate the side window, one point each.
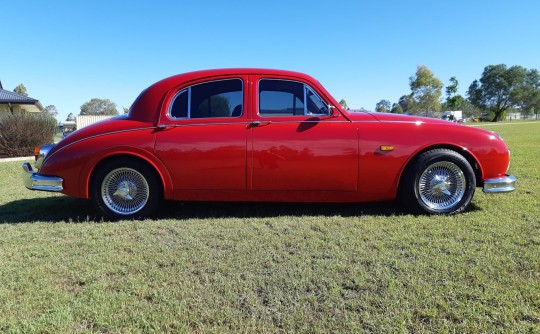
{"type": "Point", "coordinates": [179, 107]}
{"type": "Point", "coordinates": [281, 98]}
{"type": "Point", "coordinates": [224, 98]}
{"type": "Point", "coordinates": [289, 98]}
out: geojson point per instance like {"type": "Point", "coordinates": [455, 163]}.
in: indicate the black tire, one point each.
{"type": "Point", "coordinates": [126, 188]}
{"type": "Point", "coordinates": [439, 181]}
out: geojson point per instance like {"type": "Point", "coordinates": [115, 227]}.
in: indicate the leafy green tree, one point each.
{"type": "Point", "coordinates": [454, 101]}
{"type": "Point", "coordinates": [452, 89]}
{"type": "Point", "coordinates": [498, 89]}
{"type": "Point", "coordinates": [383, 106]}
{"type": "Point", "coordinates": [70, 117]}
{"type": "Point", "coordinates": [51, 110]}
{"type": "Point", "coordinates": [396, 109]}
{"type": "Point", "coordinates": [527, 97]}
{"type": "Point", "coordinates": [405, 103]}
{"type": "Point", "coordinates": [99, 107]}
{"type": "Point", "coordinates": [457, 102]}
{"type": "Point", "coordinates": [426, 91]}
{"type": "Point", "coordinates": [343, 103]}
{"type": "Point", "coordinates": [21, 90]}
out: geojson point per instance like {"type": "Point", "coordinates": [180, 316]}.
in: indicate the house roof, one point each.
{"type": "Point", "coordinates": [27, 103]}
{"type": "Point", "coordinates": [10, 97]}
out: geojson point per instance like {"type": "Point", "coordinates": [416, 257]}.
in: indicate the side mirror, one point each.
{"type": "Point", "coordinates": [332, 111]}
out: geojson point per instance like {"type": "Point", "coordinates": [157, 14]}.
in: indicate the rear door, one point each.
{"type": "Point", "coordinates": [202, 140]}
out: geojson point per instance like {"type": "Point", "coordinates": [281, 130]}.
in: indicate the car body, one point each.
{"type": "Point", "coordinates": [267, 135]}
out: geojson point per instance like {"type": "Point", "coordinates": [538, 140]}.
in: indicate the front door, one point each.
{"type": "Point", "coordinates": [297, 145]}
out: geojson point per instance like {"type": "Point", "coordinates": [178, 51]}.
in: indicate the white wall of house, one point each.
{"type": "Point", "coordinates": [83, 121]}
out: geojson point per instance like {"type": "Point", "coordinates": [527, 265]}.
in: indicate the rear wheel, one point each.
{"type": "Point", "coordinates": [126, 189]}
{"type": "Point", "coordinates": [439, 181]}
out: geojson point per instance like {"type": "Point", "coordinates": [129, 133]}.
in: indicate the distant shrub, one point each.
{"type": "Point", "coordinates": [21, 132]}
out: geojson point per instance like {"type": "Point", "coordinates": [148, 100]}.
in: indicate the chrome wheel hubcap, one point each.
{"type": "Point", "coordinates": [125, 191]}
{"type": "Point", "coordinates": [442, 185]}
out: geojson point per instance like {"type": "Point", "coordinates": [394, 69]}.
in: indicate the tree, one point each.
{"type": "Point", "coordinates": [405, 103]}
{"type": "Point", "coordinates": [396, 109]}
{"type": "Point", "coordinates": [457, 102]}
{"type": "Point", "coordinates": [51, 110]}
{"type": "Point", "coordinates": [21, 90]}
{"type": "Point", "coordinates": [383, 106]}
{"type": "Point", "coordinates": [344, 103]}
{"type": "Point", "coordinates": [425, 91]}
{"type": "Point", "coordinates": [99, 107]}
{"type": "Point", "coordinates": [499, 89]}
{"type": "Point", "coordinates": [527, 97]}
{"type": "Point", "coordinates": [454, 101]}
{"type": "Point", "coordinates": [70, 117]}
{"type": "Point", "coordinates": [452, 89]}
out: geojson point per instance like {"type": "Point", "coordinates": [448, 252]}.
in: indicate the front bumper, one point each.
{"type": "Point", "coordinates": [35, 181]}
{"type": "Point", "coordinates": [500, 184]}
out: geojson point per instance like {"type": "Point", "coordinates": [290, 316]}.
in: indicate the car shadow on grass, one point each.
{"type": "Point", "coordinates": [74, 210]}
{"type": "Point", "coordinates": [202, 210]}
{"type": "Point", "coordinates": [48, 209]}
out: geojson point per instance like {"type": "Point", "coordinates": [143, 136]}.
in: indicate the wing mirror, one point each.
{"type": "Point", "coordinates": [332, 111]}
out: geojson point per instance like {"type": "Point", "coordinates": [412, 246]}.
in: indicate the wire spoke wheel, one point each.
{"type": "Point", "coordinates": [442, 185]}
{"type": "Point", "coordinates": [438, 182]}
{"type": "Point", "coordinates": [125, 191]}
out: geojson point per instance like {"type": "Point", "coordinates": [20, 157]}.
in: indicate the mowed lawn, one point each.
{"type": "Point", "coordinates": [267, 268]}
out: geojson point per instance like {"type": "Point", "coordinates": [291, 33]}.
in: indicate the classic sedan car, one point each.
{"type": "Point", "coordinates": [267, 135]}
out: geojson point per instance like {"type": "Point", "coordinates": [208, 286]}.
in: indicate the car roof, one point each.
{"type": "Point", "coordinates": [146, 106]}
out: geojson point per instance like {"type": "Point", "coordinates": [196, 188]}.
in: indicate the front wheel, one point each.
{"type": "Point", "coordinates": [439, 181]}
{"type": "Point", "coordinates": [126, 189]}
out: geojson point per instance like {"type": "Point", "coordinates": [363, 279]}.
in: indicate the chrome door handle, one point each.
{"type": "Point", "coordinates": [258, 123]}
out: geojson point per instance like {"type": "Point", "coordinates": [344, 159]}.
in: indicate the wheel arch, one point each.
{"type": "Point", "coordinates": [156, 166]}
{"type": "Point", "coordinates": [477, 168]}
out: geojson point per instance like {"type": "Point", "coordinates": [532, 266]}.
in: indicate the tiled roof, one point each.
{"type": "Point", "coordinates": [10, 97]}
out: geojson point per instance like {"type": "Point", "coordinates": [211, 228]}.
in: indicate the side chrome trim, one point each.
{"type": "Point", "coordinates": [500, 184]}
{"type": "Point", "coordinates": [35, 181]}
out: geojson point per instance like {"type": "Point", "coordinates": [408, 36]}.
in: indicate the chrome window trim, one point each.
{"type": "Point", "coordinates": [306, 86]}
{"type": "Point", "coordinates": [169, 111]}
{"type": "Point", "coordinates": [188, 89]}
{"type": "Point", "coordinates": [305, 100]}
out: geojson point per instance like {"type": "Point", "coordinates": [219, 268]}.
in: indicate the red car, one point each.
{"type": "Point", "coordinates": [267, 135]}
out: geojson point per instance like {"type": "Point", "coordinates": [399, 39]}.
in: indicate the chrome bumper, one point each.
{"type": "Point", "coordinates": [34, 181]}
{"type": "Point", "coordinates": [500, 184]}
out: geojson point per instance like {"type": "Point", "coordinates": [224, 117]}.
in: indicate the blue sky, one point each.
{"type": "Point", "coordinates": [68, 52]}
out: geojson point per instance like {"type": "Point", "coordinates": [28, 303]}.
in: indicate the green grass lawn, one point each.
{"type": "Point", "coordinates": [267, 268]}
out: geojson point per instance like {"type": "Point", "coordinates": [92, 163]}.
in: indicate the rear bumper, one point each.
{"type": "Point", "coordinates": [35, 181]}
{"type": "Point", "coordinates": [500, 184]}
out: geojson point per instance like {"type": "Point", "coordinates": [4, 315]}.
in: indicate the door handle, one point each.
{"type": "Point", "coordinates": [258, 123]}
{"type": "Point", "coordinates": [162, 127]}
